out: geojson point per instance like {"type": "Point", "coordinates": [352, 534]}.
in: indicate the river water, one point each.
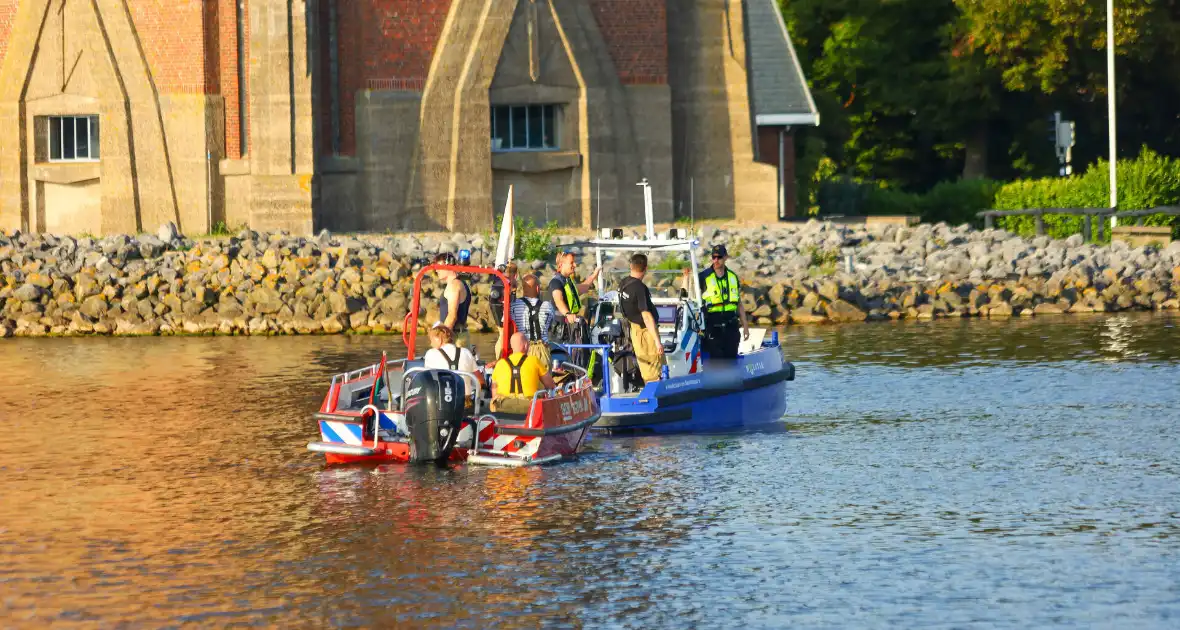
{"type": "Point", "coordinates": [1021, 474]}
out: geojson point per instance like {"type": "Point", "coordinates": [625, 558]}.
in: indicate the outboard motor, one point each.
{"type": "Point", "coordinates": [434, 414]}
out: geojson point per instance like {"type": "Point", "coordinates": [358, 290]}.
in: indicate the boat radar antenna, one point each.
{"type": "Point", "coordinates": [647, 209]}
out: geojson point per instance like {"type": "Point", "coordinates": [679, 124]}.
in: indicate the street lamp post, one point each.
{"type": "Point", "coordinates": [1110, 109]}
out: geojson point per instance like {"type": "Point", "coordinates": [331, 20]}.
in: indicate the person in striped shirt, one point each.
{"type": "Point", "coordinates": [533, 316]}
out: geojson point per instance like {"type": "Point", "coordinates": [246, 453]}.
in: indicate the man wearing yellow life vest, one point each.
{"type": "Point", "coordinates": [566, 294]}
{"type": "Point", "coordinates": [721, 292]}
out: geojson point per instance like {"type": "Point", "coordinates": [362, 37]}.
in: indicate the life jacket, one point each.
{"type": "Point", "coordinates": [452, 361]}
{"type": "Point", "coordinates": [534, 320]}
{"type": "Point", "coordinates": [572, 301]}
{"type": "Point", "coordinates": [516, 385]}
{"type": "Point", "coordinates": [722, 296]}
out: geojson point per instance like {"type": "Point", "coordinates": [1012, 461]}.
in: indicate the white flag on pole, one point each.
{"type": "Point", "coordinates": [506, 245]}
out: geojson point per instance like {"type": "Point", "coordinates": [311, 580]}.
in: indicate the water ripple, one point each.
{"type": "Point", "coordinates": [936, 474]}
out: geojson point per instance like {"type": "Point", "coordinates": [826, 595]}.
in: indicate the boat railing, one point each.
{"type": "Point", "coordinates": [376, 422]}
{"type": "Point", "coordinates": [604, 350]}
{"type": "Point", "coordinates": [466, 376]}
{"type": "Point", "coordinates": [367, 371]}
{"type": "Point", "coordinates": [537, 397]}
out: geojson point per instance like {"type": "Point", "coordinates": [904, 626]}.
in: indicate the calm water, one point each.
{"type": "Point", "coordinates": [1020, 474]}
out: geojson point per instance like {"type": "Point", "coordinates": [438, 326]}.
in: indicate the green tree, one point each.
{"type": "Point", "coordinates": [916, 108]}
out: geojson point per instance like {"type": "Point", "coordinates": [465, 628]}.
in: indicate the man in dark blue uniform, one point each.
{"type": "Point", "coordinates": [721, 293]}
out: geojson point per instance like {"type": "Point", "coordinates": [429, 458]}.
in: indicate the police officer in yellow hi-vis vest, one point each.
{"type": "Point", "coordinates": [721, 292]}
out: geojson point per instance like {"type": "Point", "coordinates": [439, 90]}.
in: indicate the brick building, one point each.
{"type": "Point", "coordinates": [120, 115]}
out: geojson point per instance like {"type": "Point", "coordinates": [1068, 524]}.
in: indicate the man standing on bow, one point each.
{"type": "Point", "coordinates": [721, 292]}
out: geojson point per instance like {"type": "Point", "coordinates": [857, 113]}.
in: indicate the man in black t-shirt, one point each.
{"type": "Point", "coordinates": [635, 302]}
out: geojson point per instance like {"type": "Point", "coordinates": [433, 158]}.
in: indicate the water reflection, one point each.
{"type": "Point", "coordinates": [964, 343]}
{"type": "Point", "coordinates": [938, 473]}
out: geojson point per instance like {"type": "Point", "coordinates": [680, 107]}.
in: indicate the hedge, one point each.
{"type": "Point", "coordinates": [1149, 181]}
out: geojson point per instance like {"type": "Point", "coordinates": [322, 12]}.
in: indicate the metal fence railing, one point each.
{"type": "Point", "coordinates": [1088, 215]}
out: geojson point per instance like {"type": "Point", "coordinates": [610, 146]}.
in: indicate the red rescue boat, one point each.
{"type": "Point", "coordinates": [399, 411]}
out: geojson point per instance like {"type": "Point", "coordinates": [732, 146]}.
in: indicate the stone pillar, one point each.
{"type": "Point", "coordinates": [713, 134]}
{"type": "Point", "coordinates": [282, 155]}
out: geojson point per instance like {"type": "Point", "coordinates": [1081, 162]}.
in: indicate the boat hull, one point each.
{"type": "Point", "coordinates": [749, 393]}
{"type": "Point", "coordinates": [555, 429]}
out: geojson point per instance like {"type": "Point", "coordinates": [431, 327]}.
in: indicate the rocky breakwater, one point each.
{"type": "Point", "coordinates": [264, 284]}
{"type": "Point", "coordinates": [258, 284]}
{"type": "Point", "coordinates": [824, 272]}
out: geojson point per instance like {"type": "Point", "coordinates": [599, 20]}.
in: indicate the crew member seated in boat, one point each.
{"type": "Point", "coordinates": [518, 378]}
{"type": "Point", "coordinates": [455, 302]}
{"type": "Point", "coordinates": [532, 317]}
{"type": "Point", "coordinates": [721, 292]}
{"type": "Point", "coordinates": [635, 302]}
{"type": "Point", "coordinates": [445, 355]}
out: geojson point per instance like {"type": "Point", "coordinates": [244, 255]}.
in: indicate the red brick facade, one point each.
{"type": "Point", "coordinates": [387, 43]}
{"type": "Point", "coordinates": [227, 52]}
{"type": "Point", "coordinates": [636, 32]}
{"type": "Point", "coordinates": [192, 48]}
{"type": "Point", "coordinates": [7, 16]}
{"type": "Point", "coordinates": [172, 33]}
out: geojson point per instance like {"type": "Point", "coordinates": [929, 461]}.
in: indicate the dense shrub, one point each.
{"type": "Point", "coordinates": [957, 202]}
{"type": "Point", "coordinates": [953, 202]}
{"type": "Point", "coordinates": [532, 242]}
{"type": "Point", "coordinates": [1149, 181]}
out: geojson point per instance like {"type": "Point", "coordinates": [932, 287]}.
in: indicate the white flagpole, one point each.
{"type": "Point", "coordinates": [1111, 109]}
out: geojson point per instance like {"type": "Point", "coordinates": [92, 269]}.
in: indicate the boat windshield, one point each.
{"type": "Point", "coordinates": [663, 283]}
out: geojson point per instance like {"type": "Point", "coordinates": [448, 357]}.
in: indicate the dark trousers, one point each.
{"type": "Point", "coordinates": [721, 336]}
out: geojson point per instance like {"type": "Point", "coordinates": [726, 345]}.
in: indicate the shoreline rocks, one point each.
{"type": "Point", "coordinates": [274, 283]}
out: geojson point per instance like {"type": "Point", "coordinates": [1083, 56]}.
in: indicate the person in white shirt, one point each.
{"type": "Point", "coordinates": [444, 355]}
{"type": "Point", "coordinates": [533, 317]}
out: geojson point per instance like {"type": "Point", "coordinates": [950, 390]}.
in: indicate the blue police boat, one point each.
{"type": "Point", "coordinates": [695, 394]}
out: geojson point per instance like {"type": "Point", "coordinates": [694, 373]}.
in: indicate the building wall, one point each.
{"type": "Point", "coordinates": [143, 71]}
{"type": "Point", "coordinates": [395, 135]}
{"type": "Point", "coordinates": [7, 18]}
{"type": "Point", "coordinates": [423, 155]}
{"type": "Point", "coordinates": [228, 84]}
{"type": "Point", "coordinates": [636, 35]}
{"type": "Point", "coordinates": [714, 135]}
{"type": "Point", "coordinates": [776, 147]}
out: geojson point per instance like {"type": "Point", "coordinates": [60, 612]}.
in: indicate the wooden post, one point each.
{"type": "Point", "coordinates": [1040, 223]}
{"type": "Point", "coordinates": [989, 221]}
{"type": "Point", "coordinates": [1098, 233]}
{"type": "Point", "coordinates": [1086, 228]}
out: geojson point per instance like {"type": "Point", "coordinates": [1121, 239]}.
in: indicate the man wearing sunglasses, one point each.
{"type": "Point", "coordinates": [721, 292]}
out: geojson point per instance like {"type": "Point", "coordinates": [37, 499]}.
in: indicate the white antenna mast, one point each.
{"type": "Point", "coordinates": [647, 209]}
